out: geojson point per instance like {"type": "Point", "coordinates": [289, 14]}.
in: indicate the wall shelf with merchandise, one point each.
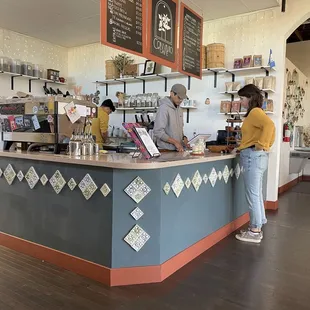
{"type": "Point", "coordinates": [30, 79]}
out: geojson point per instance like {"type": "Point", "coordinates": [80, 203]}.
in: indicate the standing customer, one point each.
{"type": "Point", "coordinates": [168, 126]}
{"type": "Point", "coordinates": [258, 135]}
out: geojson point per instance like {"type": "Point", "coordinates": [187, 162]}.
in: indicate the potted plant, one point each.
{"type": "Point", "coordinates": [121, 61]}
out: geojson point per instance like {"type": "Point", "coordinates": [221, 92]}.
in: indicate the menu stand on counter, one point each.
{"type": "Point", "coordinates": [142, 140]}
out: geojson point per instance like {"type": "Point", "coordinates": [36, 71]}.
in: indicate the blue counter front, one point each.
{"type": "Point", "coordinates": [115, 219]}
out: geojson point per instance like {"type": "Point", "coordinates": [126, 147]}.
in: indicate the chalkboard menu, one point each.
{"type": "Point", "coordinates": [162, 31]}
{"type": "Point", "coordinates": [122, 24]}
{"type": "Point", "coordinates": [190, 42]}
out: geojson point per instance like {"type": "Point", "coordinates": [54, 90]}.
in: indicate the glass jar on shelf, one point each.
{"type": "Point", "coordinates": [133, 102]}
{"type": "Point", "coordinates": [127, 101]}
{"type": "Point", "coordinates": [5, 64]}
{"type": "Point", "coordinates": [143, 100]}
{"type": "Point", "coordinates": [16, 66]}
{"type": "Point", "coordinates": [154, 100]}
{"type": "Point", "coordinates": [138, 105]}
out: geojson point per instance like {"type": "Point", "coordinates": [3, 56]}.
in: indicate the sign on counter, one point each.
{"type": "Point", "coordinates": [190, 61]}
{"type": "Point", "coordinates": [122, 25]}
{"type": "Point", "coordinates": [162, 32]}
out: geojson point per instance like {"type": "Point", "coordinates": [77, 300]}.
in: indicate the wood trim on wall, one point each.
{"type": "Point", "coordinates": [305, 178]}
{"type": "Point", "coordinates": [284, 188]}
{"type": "Point", "coordinates": [272, 205]}
{"type": "Point", "coordinates": [121, 276]}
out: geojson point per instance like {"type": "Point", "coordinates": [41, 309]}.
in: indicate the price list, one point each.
{"type": "Point", "coordinates": [123, 24]}
{"type": "Point", "coordinates": [191, 42]}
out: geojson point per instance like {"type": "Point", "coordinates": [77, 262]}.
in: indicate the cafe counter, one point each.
{"type": "Point", "coordinates": [117, 219]}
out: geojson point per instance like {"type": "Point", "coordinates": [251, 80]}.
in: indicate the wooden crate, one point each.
{"type": "Point", "coordinates": [216, 55]}
{"type": "Point", "coordinates": [110, 70]}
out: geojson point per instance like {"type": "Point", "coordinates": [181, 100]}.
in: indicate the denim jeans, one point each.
{"type": "Point", "coordinates": [254, 164]}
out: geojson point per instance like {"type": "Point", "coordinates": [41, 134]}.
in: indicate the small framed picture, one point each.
{"type": "Point", "coordinates": [247, 61]}
{"type": "Point", "coordinates": [149, 67]}
{"type": "Point", "coordinates": [238, 63]}
{"type": "Point", "coordinates": [257, 61]}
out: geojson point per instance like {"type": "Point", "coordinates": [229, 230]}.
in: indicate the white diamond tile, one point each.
{"type": "Point", "coordinates": [88, 186]}
{"type": "Point", "coordinates": [205, 178]}
{"type": "Point", "coordinates": [237, 171]}
{"type": "Point", "coordinates": [188, 183]}
{"type": "Point", "coordinates": [242, 169]}
{"type": "Point", "coordinates": [231, 172]}
{"type": "Point", "coordinates": [167, 188]}
{"type": "Point", "coordinates": [20, 175]}
{"type": "Point", "coordinates": [177, 185]}
{"type": "Point", "coordinates": [226, 174]}
{"type": "Point", "coordinates": [105, 190]}
{"type": "Point", "coordinates": [44, 179]}
{"type": "Point", "coordinates": [1, 173]}
{"type": "Point", "coordinates": [9, 174]}
{"type": "Point", "coordinates": [32, 177]}
{"type": "Point", "coordinates": [137, 190]}
{"type": "Point", "coordinates": [213, 177]}
{"type": "Point", "coordinates": [72, 184]}
{"type": "Point", "coordinates": [220, 175]}
{"type": "Point", "coordinates": [197, 180]}
{"type": "Point", "coordinates": [137, 213]}
{"type": "Point", "coordinates": [58, 182]}
{"type": "Point", "coordinates": [137, 238]}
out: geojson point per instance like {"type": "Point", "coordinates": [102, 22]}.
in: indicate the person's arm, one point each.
{"type": "Point", "coordinates": [161, 122]}
{"type": "Point", "coordinates": [262, 121]}
{"type": "Point", "coordinates": [103, 125]}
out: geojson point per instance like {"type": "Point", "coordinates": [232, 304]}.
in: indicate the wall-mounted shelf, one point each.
{"type": "Point", "coordinates": [242, 113]}
{"type": "Point", "coordinates": [151, 110]}
{"type": "Point", "coordinates": [160, 76]}
{"type": "Point", "coordinates": [30, 79]}
{"type": "Point", "coordinates": [236, 92]}
{"type": "Point", "coordinates": [266, 69]}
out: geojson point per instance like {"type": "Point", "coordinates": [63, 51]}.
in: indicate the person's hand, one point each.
{"type": "Point", "coordinates": [179, 147]}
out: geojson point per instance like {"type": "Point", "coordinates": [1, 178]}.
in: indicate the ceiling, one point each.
{"type": "Point", "coordinates": [71, 23]}
{"type": "Point", "coordinates": [302, 33]}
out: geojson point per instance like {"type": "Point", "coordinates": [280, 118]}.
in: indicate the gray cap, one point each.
{"type": "Point", "coordinates": [179, 90]}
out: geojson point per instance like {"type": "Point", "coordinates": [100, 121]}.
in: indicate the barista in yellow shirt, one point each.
{"type": "Point", "coordinates": [100, 124]}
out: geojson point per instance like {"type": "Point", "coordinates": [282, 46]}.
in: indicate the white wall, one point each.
{"type": "Point", "coordinates": [299, 53]}
{"type": "Point", "coordinates": [17, 46]}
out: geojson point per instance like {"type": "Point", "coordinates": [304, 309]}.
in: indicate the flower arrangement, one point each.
{"type": "Point", "coordinates": [121, 61]}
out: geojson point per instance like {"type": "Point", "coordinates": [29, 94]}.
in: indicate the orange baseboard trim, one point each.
{"type": "Point", "coordinates": [306, 178]}
{"type": "Point", "coordinates": [286, 187]}
{"type": "Point", "coordinates": [121, 276]}
{"type": "Point", "coordinates": [272, 205]}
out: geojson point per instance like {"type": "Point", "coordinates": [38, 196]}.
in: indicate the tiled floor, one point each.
{"type": "Point", "coordinates": [274, 275]}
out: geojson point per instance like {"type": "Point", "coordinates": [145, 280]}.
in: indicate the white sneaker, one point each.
{"type": "Point", "coordinates": [248, 236]}
{"type": "Point", "coordinates": [261, 233]}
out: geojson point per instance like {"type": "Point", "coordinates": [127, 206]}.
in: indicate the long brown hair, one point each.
{"type": "Point", "coordinates": [254, 94]}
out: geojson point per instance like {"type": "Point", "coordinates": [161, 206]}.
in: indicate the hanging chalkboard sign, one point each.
{"type": "Point", "coordinates": [162, 32]}
{"type": "Point", "coordinates": [190, 61]}
{"type": "Point", "coordinates": [122, 25]}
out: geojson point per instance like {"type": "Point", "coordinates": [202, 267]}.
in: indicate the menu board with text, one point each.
{"type": "Point", "coordinates": [162, 32]}
{"type": "Point", "coordinates": [122, 25]}
{"type": "Point", "coordinates": [190, 61]}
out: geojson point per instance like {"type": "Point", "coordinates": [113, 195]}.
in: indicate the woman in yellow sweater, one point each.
{"type": "Point", "coordinates": [258, 135]}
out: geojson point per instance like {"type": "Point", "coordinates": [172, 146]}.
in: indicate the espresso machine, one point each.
{"type": "Point", "coordinates": [42, 122]}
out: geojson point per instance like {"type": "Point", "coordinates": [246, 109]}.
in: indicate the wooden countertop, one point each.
{"type": "Point", "coordinates": [122, 161]}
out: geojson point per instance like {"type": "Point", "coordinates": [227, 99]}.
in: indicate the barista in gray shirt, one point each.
{"type": "Point", "coordinates": [168, 127]}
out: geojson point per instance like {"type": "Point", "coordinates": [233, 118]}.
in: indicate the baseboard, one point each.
{"type": "Point", "coordinates": [272, 205]}
{"type": "Point", "coordinates": [306, 178]}
{"type": "Point", "coordinates": [286, 187]}
{"type": "Point", "coordinates": [121, 276]}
